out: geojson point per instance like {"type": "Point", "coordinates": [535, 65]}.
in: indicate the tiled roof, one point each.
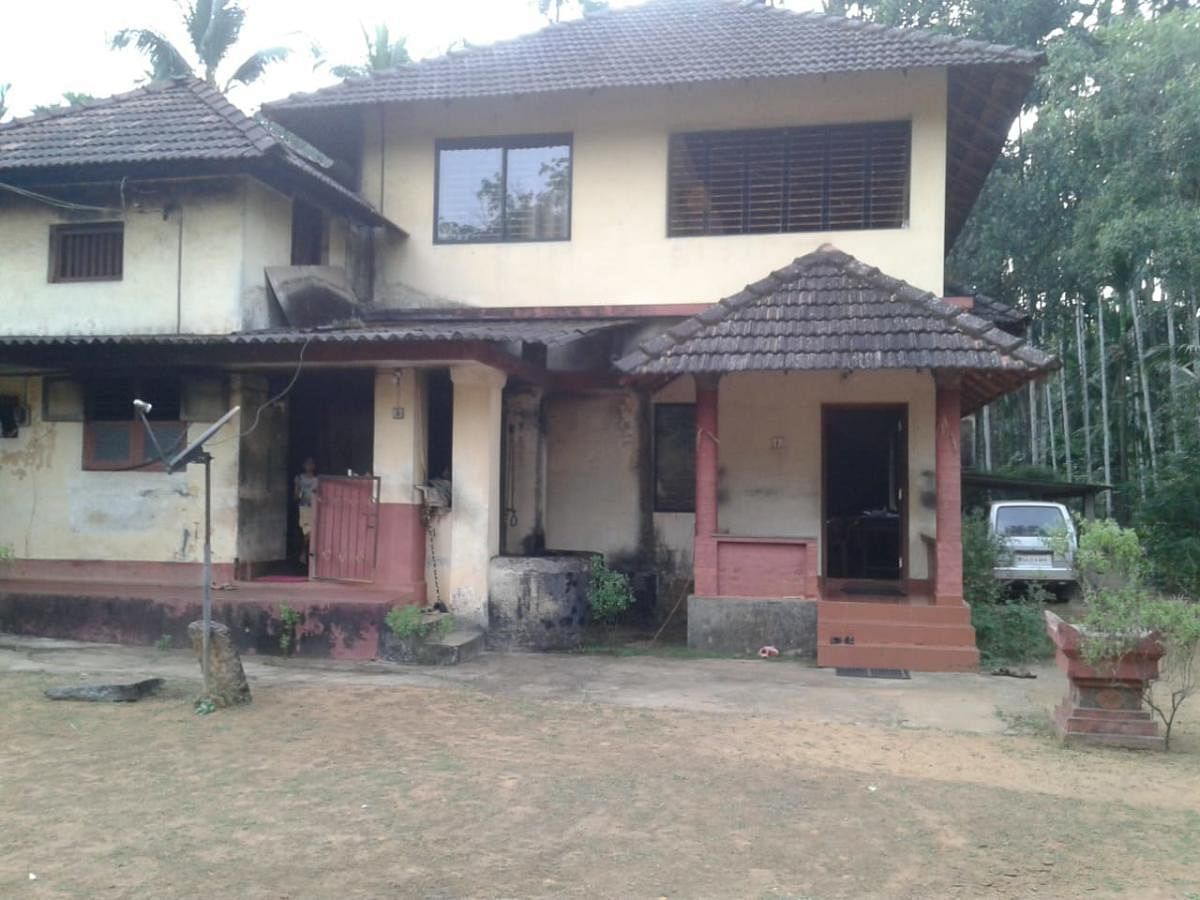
{"type": "Point", "coordinates": [663, 42]}
{"type": "Point", "coordinates": [182, 120]}
{"type": "Point", "coordinates": [829, 311]}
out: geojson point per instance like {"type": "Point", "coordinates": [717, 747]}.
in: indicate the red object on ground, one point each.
{"type": "Point", "coordinates": [1104, 706]}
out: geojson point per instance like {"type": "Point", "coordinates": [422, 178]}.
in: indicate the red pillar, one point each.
{"type": "Point", "coordinates": [948, 582]}
{"type": "Point", "coordinates": [707, 465]}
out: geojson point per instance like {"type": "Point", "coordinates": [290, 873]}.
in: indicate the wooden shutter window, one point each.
{"type": "Point", "coordinates": [94, 252]}
{"type": "Point", "coordinates": [771, 180]}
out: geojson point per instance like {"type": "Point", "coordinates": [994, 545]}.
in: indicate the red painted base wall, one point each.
{"type": "Point", "coordinates": [400, 560]}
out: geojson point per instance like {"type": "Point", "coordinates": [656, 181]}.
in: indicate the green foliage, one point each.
{"type": "Point", "coordinates": [289, 618]}
{"type": "Point", "coordinates": [204, 706]}
{"type": "Point", "coordinates": [409, 621]}
{"type": "Point", "coordinates": [1009, 628]}
{"type": "Point", "coordinates": [1109, 558]}
{"type": "Point", "coordinates": [383, 52]}
{"type": "Point", "coordinates": [164, 642]}
{"type": "Point", "coordinates": [70, 99]}
{"type": "Point", "coordinates": [6, 552]}
{"type": "Point", "coordinates": [609, 595]}
{"type": "Point", "coordinates": [1167, 522]}
{"type": "Point", "coordinates": [4, 89]}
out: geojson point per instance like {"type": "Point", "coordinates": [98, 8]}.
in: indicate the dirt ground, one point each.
{"type": "Point", "coordinates": [575, 776]}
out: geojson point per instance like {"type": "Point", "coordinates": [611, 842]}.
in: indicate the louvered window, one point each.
{"type": "Point", "coordinates": [93, 252]}
{"type": "Point", "coordinates": [823, 178]}
{"type": "Point", "coordinates": [503, 189]}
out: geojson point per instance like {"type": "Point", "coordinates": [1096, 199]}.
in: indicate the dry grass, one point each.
{"type": "Point", "coordinates": [349, 791]}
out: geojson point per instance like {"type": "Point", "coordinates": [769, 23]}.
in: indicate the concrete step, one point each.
{"type": "Point", "coordinates": [914, 657]}
{"type": "Point", "coordinates": [457, 647]}
{"type": "Point", "coordinates": [845, 610]}
{"type": "Point", "coordinates": [874, 632]}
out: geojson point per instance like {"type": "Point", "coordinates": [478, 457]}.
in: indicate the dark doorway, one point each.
{"type": "Point", "coordinates": [331, 417]}
{"type": "Point", "coordinates": [866, 466]}
{"type": "Point", "coordinates": [439, 392]}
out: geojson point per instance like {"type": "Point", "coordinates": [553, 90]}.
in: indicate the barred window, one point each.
{"type": "Point", "coordinates": [94, 252]}
{"type": "Point", "coordinates": [763, 181]}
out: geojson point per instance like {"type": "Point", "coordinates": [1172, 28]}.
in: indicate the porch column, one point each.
{"type": "Point", "coordinates": [948, 582]}
{"type": "Point", "coordinates": [475, 488]}
{"type": "Point", "coordinates": [707, 467]}
{"type": "Point", "coordinates": [399, 461]}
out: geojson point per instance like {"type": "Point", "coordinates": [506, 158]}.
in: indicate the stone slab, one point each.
{"type": "Point", "coordinates": [741, 626]}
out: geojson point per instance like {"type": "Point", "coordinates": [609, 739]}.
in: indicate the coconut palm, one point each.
{"type": "Point", "coordinates": [3, 95]}
{"type": "Point", "coordinates": [382, 53]}
{"type": "Point", "coordinates": [213, 27]}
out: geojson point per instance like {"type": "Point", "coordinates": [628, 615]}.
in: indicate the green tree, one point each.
{"type": "Point", "coordinates": [213, 28]}
{"type": "Point", "coordinates": [70, 98]}
{"type": "Point", "coordinates": [4, 89]}
{"type": "Point", "coordinates": [383, 53]}
{"type": "Point", "coordinates": [553, 9]}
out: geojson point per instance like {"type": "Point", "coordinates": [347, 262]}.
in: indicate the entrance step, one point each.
{"type": "Point", "coordinates": [949, 614]}
{"type": "Point", "coordinates": [830, 631]}
{"type": "Point", "coordinates": [914, 657]}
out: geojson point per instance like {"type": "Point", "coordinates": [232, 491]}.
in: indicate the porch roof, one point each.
{"type": "Point", "coordinates": [829, 311]}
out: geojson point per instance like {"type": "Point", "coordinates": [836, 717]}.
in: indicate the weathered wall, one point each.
{"type": "Point", "coordinates": [266, 241]}
{"type": "Point", "coordinates": [768, 491]}
{"type": "Point", "coordinates": [592, 461]}
{"type": "Point", "coordinates": [619, 251]}
{"type": "Point", "coordinates": [51, 509]}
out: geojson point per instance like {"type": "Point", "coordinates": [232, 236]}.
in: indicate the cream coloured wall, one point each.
{"type": "Point", "coordinates": [52, 509]}
{"type": "Point", "coordinates": [777, 492]}
{"type": "Point", "coordinates": [229, 228]}
{"type": "Point", "coordinates": [619, 251]}
{"type": "Point", "coordinates": [400, 443]}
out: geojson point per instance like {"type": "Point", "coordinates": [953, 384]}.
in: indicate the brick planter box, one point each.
{"type": "Point", "coordinates": [1104, 706]}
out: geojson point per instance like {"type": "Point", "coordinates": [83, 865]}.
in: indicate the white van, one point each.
{"type": "Point", "coordinates": [1025, 528]}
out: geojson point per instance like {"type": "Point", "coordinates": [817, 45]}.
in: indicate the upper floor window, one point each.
{"type": "Point", "coordinates": [92, 252]}
{"type": "Point", "coordinates": [817, 178]}
{"type": "Point", "coordinates": [503, 189]}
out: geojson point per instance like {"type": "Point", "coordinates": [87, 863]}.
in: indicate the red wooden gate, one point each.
{"type": "Point", "coordinates": [346, 532]}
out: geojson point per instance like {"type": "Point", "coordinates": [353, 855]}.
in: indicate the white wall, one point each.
{"type": "Point", "coordinates": [619, 251]}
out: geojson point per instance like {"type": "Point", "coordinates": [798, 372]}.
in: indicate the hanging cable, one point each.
{"type": "Point", "coordinates": [54, 201]}
{"type": "Point", "coordinates": [258, 412]}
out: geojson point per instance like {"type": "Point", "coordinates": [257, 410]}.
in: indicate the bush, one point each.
{"type": "Point", "coordinates": [1009, 626]}
{"type": "Point", "coordinates": [409, 621]}
{"type": "Point", "coordinates": [609, 595]}
{"type": "Point", "coordinates": [1166, 520]}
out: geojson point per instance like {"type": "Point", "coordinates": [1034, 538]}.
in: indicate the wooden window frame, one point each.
{"type": "Point", "coordinates": [139, 446]}
{"type": "Point", "coordinates": [138, 441]}
{"type": "Point", "coordinates": [871, 130]}
{"type": "Point", "coordinates": [503, 143]}
{"type": "Point", "coordinates": [660, 507]}
{"type": "Point", "coordinates": [58, 232]}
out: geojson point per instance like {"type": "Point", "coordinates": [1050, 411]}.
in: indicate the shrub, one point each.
{"type": "Point", "coordinates": [409, 621]}
{"type": "Point", "coordinates": [1166, 521]}
{"type": "Point", "coordinates": [609, 595]}
{"type": "Point", "coordinates": [1009, 626]}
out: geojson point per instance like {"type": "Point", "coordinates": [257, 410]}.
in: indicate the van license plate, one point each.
{"type": "Point", "coordinates": [1033, 559]}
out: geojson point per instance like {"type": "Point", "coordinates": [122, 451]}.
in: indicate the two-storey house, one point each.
{"type": "Point", "coordinates": [664, 283]}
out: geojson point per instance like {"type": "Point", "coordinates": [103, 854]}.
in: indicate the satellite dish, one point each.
{"type": "Point", "coordinates": [186, 454]}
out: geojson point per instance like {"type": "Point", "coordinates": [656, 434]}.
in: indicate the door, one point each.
{"type": "Point", "coordinates": [345, 536]}
{"type": "Point", "coordinates": [864, 491]}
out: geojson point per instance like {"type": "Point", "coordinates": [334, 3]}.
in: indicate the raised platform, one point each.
{"type": "Point", "coordinates": [339, 621]}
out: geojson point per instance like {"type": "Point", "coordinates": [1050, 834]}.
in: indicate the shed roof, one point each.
{"type": "Point", "coordinates": [829, 311]}
{"type": "Point", "coordinates": [182, 121]}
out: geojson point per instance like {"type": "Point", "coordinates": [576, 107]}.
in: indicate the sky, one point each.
{"type": "Point", "coordinates": [51, 46]}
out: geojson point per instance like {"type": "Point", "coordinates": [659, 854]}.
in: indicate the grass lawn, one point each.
{"type": "Point", "coordinates": [366, 790]}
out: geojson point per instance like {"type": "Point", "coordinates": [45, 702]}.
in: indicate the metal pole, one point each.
{"type": "Point", "coordinates": [207, 614]}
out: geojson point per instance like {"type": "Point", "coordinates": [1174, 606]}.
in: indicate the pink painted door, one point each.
{"type": "Point", "coordinates": [346, 532]}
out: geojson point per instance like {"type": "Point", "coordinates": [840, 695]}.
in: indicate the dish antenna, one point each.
{"type": "Point", "coordinates": [194, 453]}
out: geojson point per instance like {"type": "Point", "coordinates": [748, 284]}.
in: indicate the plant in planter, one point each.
{"type": "Point", "coordinates": [609, 595]}
{"type": "Point", "coordinates": [410, 633]}
{"type": "Point", "coordinates": [1131, 638]}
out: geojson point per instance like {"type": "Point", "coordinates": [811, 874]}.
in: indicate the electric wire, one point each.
{"type": "Point", "coordinates": [54, 201]}
{"type": "Point", "coordinates": [258, 412]}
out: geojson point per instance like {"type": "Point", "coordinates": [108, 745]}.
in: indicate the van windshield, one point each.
{"type": "Point", "coordinates": [1029, 521]}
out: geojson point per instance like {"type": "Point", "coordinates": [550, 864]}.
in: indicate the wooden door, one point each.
{"type": "Point", "coordinates": [345, 536]}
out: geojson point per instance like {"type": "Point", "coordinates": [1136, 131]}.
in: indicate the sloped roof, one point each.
{"type": "Point", "coordinates": [663, 42]}
{"type": "Point", "coordinates": [829, 311]}
{"type": "Point", "coordinates": [179, 121]}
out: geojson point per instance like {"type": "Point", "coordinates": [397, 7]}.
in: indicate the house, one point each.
{"type": "Point", "coordinates": [664, 283]}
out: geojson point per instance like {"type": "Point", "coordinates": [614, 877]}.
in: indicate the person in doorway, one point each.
{"type": "Point", "coordinates": [305, 492]}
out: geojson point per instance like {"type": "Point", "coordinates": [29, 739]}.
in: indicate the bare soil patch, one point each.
{"type": "Point", "coordinates": [343, 790]}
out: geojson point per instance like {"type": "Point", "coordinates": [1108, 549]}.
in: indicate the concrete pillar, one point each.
{"type": "Point", "coordinates": [707, 470]}
{"type": "Point", "coordinates": [948, 580]}
{"type": "Point", "coordinates": [399, 461]}
{"type": "Point", "coordinates": [475, 477]}
{"type": "Point", "coordinates": [525, 473]}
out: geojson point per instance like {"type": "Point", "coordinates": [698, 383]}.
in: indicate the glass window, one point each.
{"type": "Point", "coordinates": [1029, 521]}
{"type": "Point", "coordinates": [506, 189]}
{"type": "Point", "coordinates": [675, 457]}
{"type": "Point", "coordinates": [114, 438]}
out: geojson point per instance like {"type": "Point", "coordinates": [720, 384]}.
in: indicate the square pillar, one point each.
{"type": "Point", "coordinates": [475, 488]}
{"type": "Point", "coordinates": [708, 464]}
{"type": "Point", "coordinates": [524, 528]}
{"type": "Point", "coordinates": [948, 579]}
{"type": "Point", "coordinates": [399, 461]}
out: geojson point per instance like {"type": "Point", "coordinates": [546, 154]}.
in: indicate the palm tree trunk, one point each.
{"type": "Point", "coordinates": [1050, 427]}
{"type": "Point", "coordinates": [1134, 304]}
{"type": "Point", "coordinates": [1169, 302]}
{"type": "Point", "coordinates": [1195, 317]}
{"type": "Point", "coordinates": [1066, 419]}
{"type": "Point", "coordinates": [1035, 456]}
{"type": "Point", "coordinates": [1108, 504]}
{"type": "Point", "coordinates": [1085, 393]}
{"type": "Point", "coordinates": [987, 439]}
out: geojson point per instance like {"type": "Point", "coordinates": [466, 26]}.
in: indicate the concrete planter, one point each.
{"type": "Point", "coordinates": [538, 602]}
{"type": "Point", "coordinates": [1104, 705]}
{"type": "Point", "coordinates": [434, 646]}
